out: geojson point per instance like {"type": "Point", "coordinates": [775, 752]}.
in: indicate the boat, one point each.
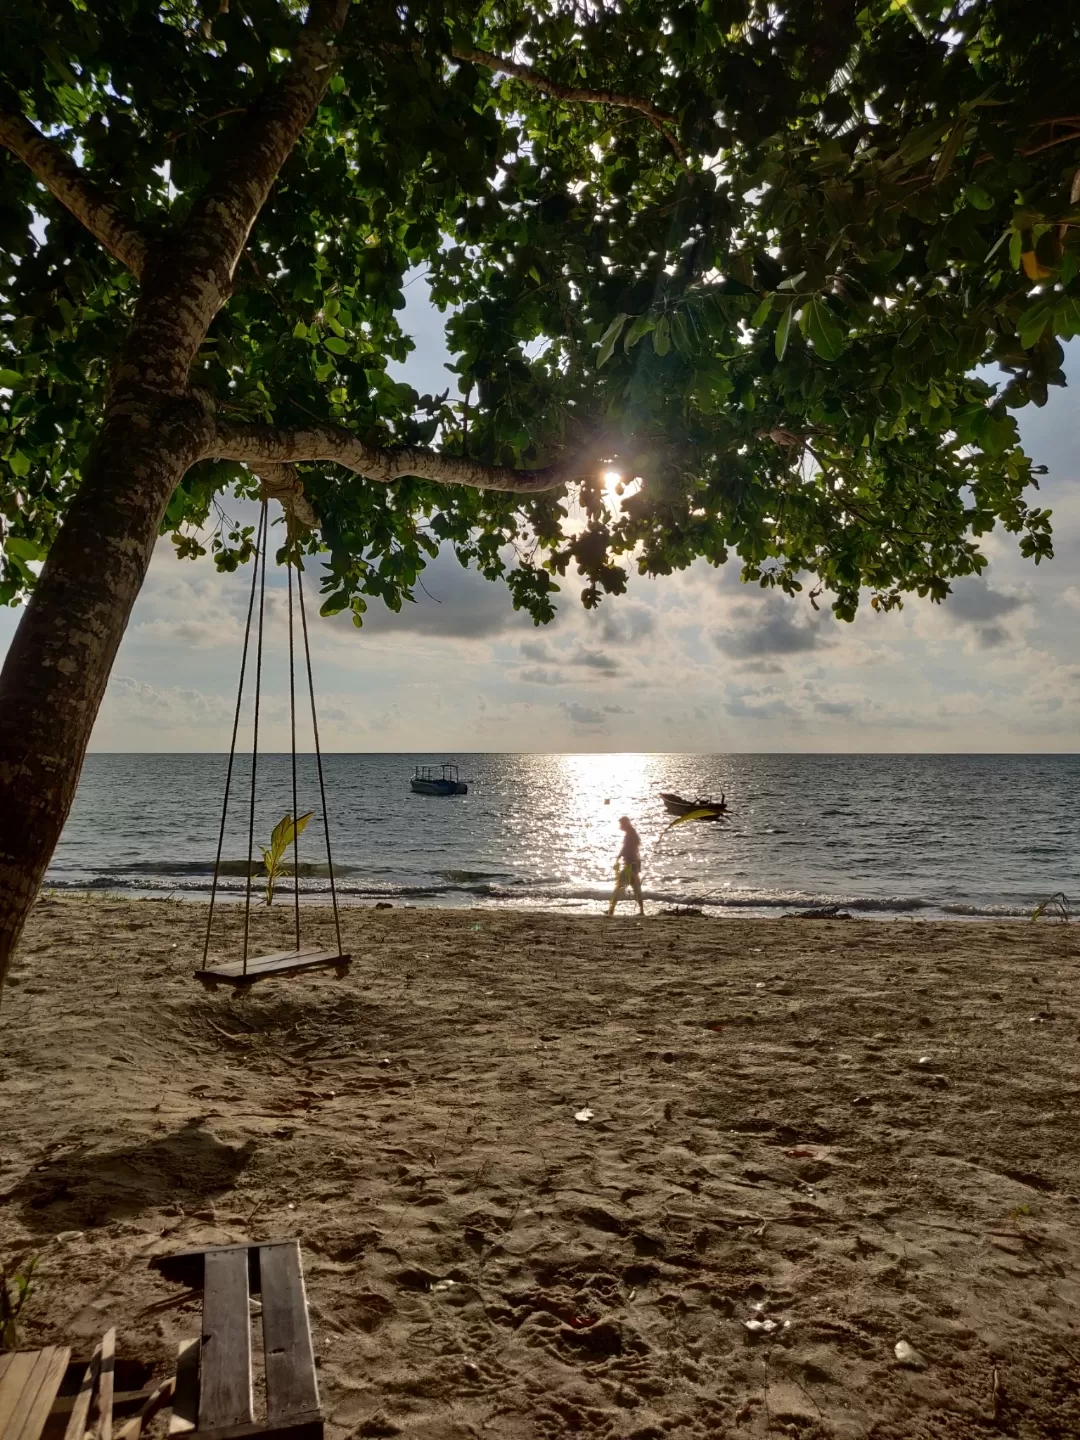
{"type": "Point", "coordinates": [438, 780]}
{"type": "Point", "coordinates": [676, 805]}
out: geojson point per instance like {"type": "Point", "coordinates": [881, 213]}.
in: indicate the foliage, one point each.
{"type": "Point", "coordinates": [1057, 904]}
{"type": "Point", "coordinates": [14, 1292]}
{"type": "Point", "coordinates": [776, 309]}
{"type": "Point", "coordinates": [285, 833]}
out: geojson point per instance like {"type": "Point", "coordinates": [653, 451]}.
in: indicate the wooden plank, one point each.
{"type": "Point", "coordinates": [15, 1378]}
{"type": "Point", "coordinates": [225, 1393]}
{"type": "Point", "coordinates": [154, 1402]}
{"type": "Point", "coordinates": [38, 1382]}
{"type": "Point", "coordinates": [283, 959]}
{"type": "Point", "coordinates": [188, 1267]}
{"type": "Point", "coordinates": [291, 1388]}
{"type": "Point", "coordinates": [308, 1427]}
{"type": "Point", "coordinates": [80, 1410]}
{"type": "Point", "coordinates": [106, 1379]}
{"type": "Point", "coordinates": [38, 1414]}
{"type": "Point", "coordinates": [185, 1405]}
{"type": "Point", "coordinates": [231, 972]}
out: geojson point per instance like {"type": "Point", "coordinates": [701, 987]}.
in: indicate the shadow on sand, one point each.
{"type": "Point", "coordinates": [84, 1187]}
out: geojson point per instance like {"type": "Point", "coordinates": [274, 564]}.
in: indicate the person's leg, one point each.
{"type": "Point", "coordinates": [635, 880]}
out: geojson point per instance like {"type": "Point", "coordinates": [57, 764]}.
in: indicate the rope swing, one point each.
{"type": "Point", "coordinates": [249, 969]}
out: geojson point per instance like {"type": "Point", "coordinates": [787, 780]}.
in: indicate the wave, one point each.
{"type": "Point", "coordinates": [228, 867]}
{"type": "Point", "coordinates": [193, 879]}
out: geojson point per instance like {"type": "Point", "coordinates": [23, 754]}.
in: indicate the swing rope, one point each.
{"type": "Point", "coordinates": [255, 734]}
{"type": "Point", "coordinates": [318, 758]}
{"type": "Point", "coordinates": [295, 803]}
{"type": "Point", "coordinates": [258, 582]}
{"type": "Point", "coordinates": [235, 729]}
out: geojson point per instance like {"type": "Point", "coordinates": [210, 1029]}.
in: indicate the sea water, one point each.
{"type": "Point", "coordinates": [921, 835]}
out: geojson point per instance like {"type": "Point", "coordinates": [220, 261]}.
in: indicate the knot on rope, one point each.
{"type": "Point", "coordinates": [282, 483]}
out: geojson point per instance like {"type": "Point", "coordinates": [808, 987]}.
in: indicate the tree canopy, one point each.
{"type": "Point", "coordinates": [755, 257]}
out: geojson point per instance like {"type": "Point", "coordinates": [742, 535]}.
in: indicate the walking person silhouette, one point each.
{"type": "Point", "coordinates": [628, 866]}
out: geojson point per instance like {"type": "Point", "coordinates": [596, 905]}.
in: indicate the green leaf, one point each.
{"type": "Point", "coordinates": [608, 339]}
{"type": "Point", "coordinates": [1033, 322]}
{"type": "Point", "coordinates": [661, 336]}
{"type": "Point", "coordinates": [19, 463]}
{"type": "Point", "coordinates": [11, 380]}
{"type": "Point", "coordinates": [642, 325]}
{"type": "Point", "coordinates": [336, 345]}
{"type": "Point", "coordinates": [21, 549]}
{"type": "Point", "coordinates": [783, 330]}
{"type": "Point", "coordinates": [823, 330]}
{"type": "Point", "coordinates": [977, 196]}
{"type": "Point", "coordinates": [761, 314]}
{"type": "Point", "coordinates": [300, 330]}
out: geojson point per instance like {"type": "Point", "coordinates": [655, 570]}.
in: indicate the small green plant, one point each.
{"type": "Point", "coordinates": [1053, 905]}
{"type": "Point", "coordinates": [14, 1292]}
{"type": "Point", "coordinates": [282, 836]}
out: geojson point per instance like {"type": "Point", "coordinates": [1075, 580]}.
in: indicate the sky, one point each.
{"type": "Point", "coordinates": [691, 662]}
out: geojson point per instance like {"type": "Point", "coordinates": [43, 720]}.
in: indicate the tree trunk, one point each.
{"type": "Point", "coordinates": [57, 668]}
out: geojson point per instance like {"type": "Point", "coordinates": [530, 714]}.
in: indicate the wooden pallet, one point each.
{"type": "Point", "coordinates": [30, 1379]}
{"type": "Point", "coordinates": [214, 1398]}
{"type": "Point", "coordinates": [264, 967]}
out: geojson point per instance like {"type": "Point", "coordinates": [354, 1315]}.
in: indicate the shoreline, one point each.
{"type": "Point", "coordinates": [926, 911]}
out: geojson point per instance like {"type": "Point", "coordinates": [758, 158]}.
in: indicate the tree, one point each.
{"type": "Point", "coordinates": [748, 255]}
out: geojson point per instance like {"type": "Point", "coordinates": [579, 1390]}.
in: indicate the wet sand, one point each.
{"type": "Point", "coordinates": [806, 1141]}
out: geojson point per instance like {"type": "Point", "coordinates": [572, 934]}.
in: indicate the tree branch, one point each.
{"type": "Point", "coordinates": [261, 144]}
{"type": "Point", "coordinates": [190, 277]}
{"type": "Point", "coordinates": [661, 120]}
{"type": "Point", "coordinates": [259, 446]}
{"type": "Point", "coordinates": [60, 175]}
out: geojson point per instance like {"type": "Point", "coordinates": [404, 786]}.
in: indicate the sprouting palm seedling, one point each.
{"type": "Point", "coordinates": [14, 1293]}
{"type": "Point", "coordinates": [1057, 904]}
{"type": "Point", "coordinates": [283, 835]}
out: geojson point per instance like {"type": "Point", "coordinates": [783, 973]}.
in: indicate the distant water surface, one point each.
{"type": "Point", "coordinates": [935, 835]}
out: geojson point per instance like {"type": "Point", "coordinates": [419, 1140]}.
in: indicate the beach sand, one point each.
{"type": "Point", "coordinates": [850, 1133]}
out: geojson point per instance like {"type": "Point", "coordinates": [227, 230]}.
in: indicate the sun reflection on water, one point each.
{"type": "Point", "coordinates": [597, 789]}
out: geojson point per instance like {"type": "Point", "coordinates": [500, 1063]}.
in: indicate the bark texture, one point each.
{"type": "Point", "coordinates": [155, 428]}
{"type": "Point", "coordinates": [58, 665]}
{"type": "Point", "coordinates": [259, 445]}
{"type": "Point", "coordinates": [100, 212]}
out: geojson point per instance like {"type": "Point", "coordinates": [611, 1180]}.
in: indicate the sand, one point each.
{"type": "Point", "coordinates": [851, 1134]}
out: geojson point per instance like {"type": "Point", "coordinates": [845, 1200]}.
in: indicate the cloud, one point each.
{"type": "Point", "coordinates": [584, 715]}
{"type": "Point", "coordinates": [133, 701]}
{"type": "Point", "coordinates": [548, 658]}
{"type": "Point", "coordinates": [772, 706]}
{"type": "Point", "coordinates": [975, 602]}
{"type": "Point", "coordinates": [627, 622]}
{"type": "Point", "coordinates": [778, 633]}
{"type": "Point", "coordinates": [541, 675]}
{"type": "Point", "coordinates": [596, 660]}
{"type": "Point", "coordinates": [453, 604]}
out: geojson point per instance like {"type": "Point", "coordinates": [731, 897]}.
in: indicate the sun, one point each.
{"type": "Point", "coordinates": [616, 489]}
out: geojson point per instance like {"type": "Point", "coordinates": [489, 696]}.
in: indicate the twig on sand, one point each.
{"type": "Point", "coordinates": [242, 1040]}
{"type": "Point", "coordinates": [997, 1396]}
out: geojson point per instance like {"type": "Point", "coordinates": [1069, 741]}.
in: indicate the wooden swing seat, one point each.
{"type": "Point", "coordinates": [214, 1397]}
{"type": "Point", "coordinates": [264, 967]}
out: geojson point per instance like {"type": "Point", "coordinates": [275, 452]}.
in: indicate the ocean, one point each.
{"type": "Point", "coordinates": [918, 835]}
